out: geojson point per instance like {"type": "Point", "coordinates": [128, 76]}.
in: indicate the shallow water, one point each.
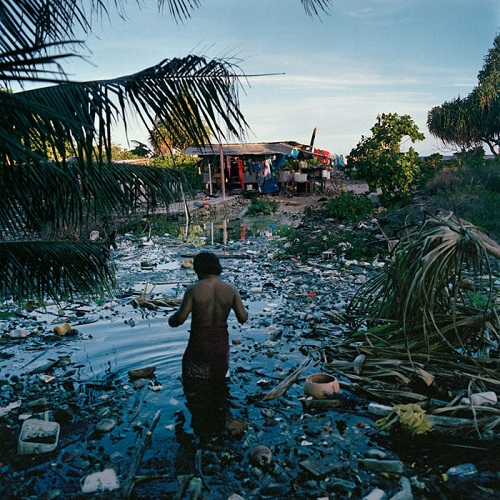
{"type": "Point", "coordinates": [114, 338]}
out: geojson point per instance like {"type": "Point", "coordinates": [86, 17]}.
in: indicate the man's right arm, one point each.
{"type": "Point", "coordinates": [184, 310]}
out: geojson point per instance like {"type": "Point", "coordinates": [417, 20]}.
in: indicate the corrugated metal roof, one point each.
{"type": "Point", "coordinates": [249, 148]}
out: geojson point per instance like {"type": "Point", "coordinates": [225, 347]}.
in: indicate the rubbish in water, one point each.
{"type": "Point", "coordinates": [38, 436]}
{"type": "Point", "coordinates": [461, 473]}
{"type": "Point", "coordinates": [61, 330]}
{"type": "Point", "coordinates": [411, 416]}
{"type": "Point", "coordinates": [105, 425]}
{"type": "Point", "coordinates": [6, 409]}
{"type": "Point", "coordinates": [142, 372]}
{"type": "Point", "coordinates": [18, 333]}
{"type": "Point", "coordinates": [376, 494]}
{"type": "Point", "coordinates": [375, 465]}
{"type": "Point", "coordinates": [481, 398]}
{"type": "Point", "coordinates": [105, 480]}
{"type": "Point", "coordinates": [261, 455]}
{"type": "Point", "coordinates": [321, 386]}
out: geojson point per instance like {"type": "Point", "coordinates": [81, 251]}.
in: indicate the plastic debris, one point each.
{"type": "Point", "coordinates": [411, 416]}
{"type": "Point", "coordinates": [481, 398]}
{"type": "Point", "coordinates": [38, 436]}
{"type": "Point", "coordinates": [462, 473]}
{"type": "Point", "coordinates": [105, 480]}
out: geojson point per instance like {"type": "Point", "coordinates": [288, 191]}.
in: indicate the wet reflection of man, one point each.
{"type": "Point", "coordinates": [208, 403]}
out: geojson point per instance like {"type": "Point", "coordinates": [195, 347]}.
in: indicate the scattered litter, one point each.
{"type": "Point", "coordinates": [105, 480]}
{"type": "Point", "coordinates": [38, 436]}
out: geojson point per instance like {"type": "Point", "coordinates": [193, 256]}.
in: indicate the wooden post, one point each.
{"type": "Point", "coordinates": [222, 166]}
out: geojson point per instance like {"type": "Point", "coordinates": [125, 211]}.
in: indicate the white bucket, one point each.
{"type": "Point", "coordinates": [38, 436]}
{"type": "Point", "coordinates": [325, 174]}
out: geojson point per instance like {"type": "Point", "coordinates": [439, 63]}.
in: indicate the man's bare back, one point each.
{"type": "Point", "coordinates": [209, 301]}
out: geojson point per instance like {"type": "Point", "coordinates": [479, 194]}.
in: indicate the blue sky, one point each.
{"type": "Point", "coordinates": [365, 58]}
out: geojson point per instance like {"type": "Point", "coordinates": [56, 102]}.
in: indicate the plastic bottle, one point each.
{"type": "Point", "coordinates": [462, 473]}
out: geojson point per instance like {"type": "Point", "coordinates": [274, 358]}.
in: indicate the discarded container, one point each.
{"type": "Point", "coordinates": [18, 333]}
{"type": "Point", "coordinates": [481, 398]}
{"type": "Point", "coordinates": [38, 436]}
{"type": "Point", "coordinates": [390, 466]}
{"type": "Point", "coordinates": [106, 480]}
{"type": "Point", "coordinates": [321, 386]}
{"type": "Point", "coordinates": [261, 455]}
{"type": "Point", "coordinates": [462, 473]}
{"type": "Point", "coordinates": [62, 329]}
{"type": "Point", "coordinates": [325, 174]}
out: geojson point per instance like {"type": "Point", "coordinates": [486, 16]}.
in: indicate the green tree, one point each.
{"type": "Point", "coordinates": [379, 161]}
{"type": "Point", "coordinates": [171, 138]}
{"type": "Point", "coordinates": [469, 122]}
{"type": "Point", "coordinates": [73, 120]}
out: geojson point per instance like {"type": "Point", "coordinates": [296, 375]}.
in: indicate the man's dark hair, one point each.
{"type": "Point", "coordinates": [206, 263]}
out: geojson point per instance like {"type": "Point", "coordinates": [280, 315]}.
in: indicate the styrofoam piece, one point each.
{"type": "Point", "coordinates": [38, 436]}
{"type": "Point", "coordinates": [105, 480]}
{"type": "Point", "coordinates": [481, 398]}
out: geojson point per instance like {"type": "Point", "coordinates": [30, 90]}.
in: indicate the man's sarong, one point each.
{"type": "Point", "coordinates": [207, 354]}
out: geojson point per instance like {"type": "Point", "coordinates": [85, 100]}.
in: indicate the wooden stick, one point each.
{"type": "Point", "coordinates": [129, 481]}
{"type": "Point", "coordinates": [287, 382]}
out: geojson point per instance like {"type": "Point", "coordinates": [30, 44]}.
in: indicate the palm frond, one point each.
{"type": "Point", "coordinates": [55, 270]}
{"type": "Point", "coordinates": [316, 7]}
{"type": "Point", "coordinates": [45, 196]}
{"type": "Point", "coordinates": [200, 95]}
{"type": "Point", "coordinates": [420, 294]}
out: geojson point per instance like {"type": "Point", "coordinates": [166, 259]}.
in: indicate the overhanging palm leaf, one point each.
{"type": "Point", "coordinates": [45, 196]}
{"type": "Point", "coordinates": [421, 294]}
{"type": "Point", "coordinates": [197, 92]}
{"type": "Point", "coordinates": [60, 270]}
{"type": "Point", "coordinates": [75, 119]}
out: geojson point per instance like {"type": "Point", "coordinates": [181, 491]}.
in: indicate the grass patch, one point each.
{"type": "Point", "coordinates": [154, 225]}
{"type": "Point", "coordinates": [260, 206]}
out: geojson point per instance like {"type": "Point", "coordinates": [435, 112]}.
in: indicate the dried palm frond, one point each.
{"type": "Point", "coordinates": [419, 298]}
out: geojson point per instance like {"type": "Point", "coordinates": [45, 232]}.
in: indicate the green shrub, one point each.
{"type": "Point", "coordinates": [349, 207]}
{"type": "Point", "coordinates": [154, 225]}
{"type": "Point", "coordinates": [262, 206]}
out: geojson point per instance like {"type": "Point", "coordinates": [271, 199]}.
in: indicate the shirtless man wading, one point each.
{"type": "Point", "coordinates": [209, 301]}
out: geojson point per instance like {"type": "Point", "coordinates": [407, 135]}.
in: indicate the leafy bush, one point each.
{"type": "Point", "coordinates": [262, 206]}
{"type": "Point", "coordinates": [380, 162]}
{"type": "Point", "coordinates": [154, 225]}
{"type": "Point", "coordinates": [187, 164]}
{"type": "Point", "coordinates": [349, 207]}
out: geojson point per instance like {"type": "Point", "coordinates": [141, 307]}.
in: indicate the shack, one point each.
{"type": "Point", "coordinates": [250, 167]}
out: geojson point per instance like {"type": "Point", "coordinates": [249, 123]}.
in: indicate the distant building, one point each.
{"type": "Point", "coordinates": [247, 167]}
